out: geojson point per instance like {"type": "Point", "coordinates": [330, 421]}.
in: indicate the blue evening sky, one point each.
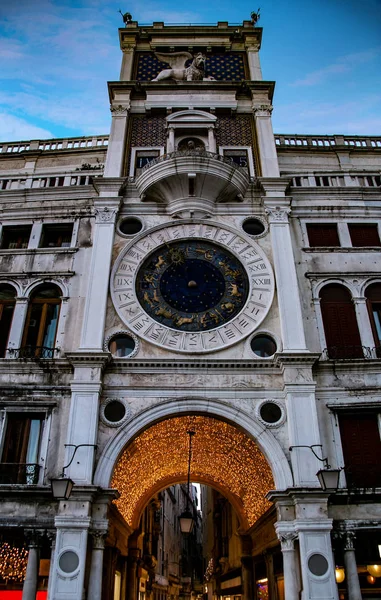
{"type": "Point", "coordinates": [56, 56]}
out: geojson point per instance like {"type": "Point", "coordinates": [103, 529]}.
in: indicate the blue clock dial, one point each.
{"type": "Point", "coordinates": [192, 285]}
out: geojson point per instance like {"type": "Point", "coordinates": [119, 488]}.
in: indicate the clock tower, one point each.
{"type": "Point", "coordinates": [193, 319]}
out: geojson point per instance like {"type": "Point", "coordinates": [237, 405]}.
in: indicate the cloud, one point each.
{"type": "Point", "coordinates": [343, 64]}
{"type": "Point", "coordinates": [13, 129]}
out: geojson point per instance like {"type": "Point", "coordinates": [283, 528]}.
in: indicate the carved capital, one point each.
{"type": "Point", "coordinates": [277, 214]}
{"type": "Point", "coordinates": [33, 537]}
{"type": "Point", "coordinates": [262, 110]}
{"type": "Point", "coordinates": [287, 540]}
{"type": "Point", "coordinates": [349, 540]}
{"type": "Point", "coordinates": [128, 48]}
{"type": "Point", "coordinates": [99, 538]}
{"type": "Point", "coordinates": [252, 47]}
{"type": "Point", "coordinates": [105, 214]}
{"type": "Point", "coordinates": [119, 110]}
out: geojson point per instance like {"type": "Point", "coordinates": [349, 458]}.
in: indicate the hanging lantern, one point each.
{"type": "Point", "coordinates": [371, 579]}
{"type": "Point", "coordinates": [339, 575]}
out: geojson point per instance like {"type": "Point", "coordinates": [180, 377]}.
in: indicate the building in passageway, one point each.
{"type": "Point", "coordinates": [191, 271]}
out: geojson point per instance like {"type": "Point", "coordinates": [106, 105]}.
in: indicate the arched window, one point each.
{"type": "Point", "coordinates": [7, 306]}
{"type": "Point", "coordinates": [340, 323]}
{"type": "Point", "coordinates": [373, 296]}
{"type": "Point", "coordinates": [41, 322]}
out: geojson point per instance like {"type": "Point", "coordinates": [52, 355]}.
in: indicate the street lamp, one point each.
{"type": "Point", "coordinates": [186, 517]}
{"type": "Point", "coordinates": [62, 486]}
{"type": "Point", "coordinates": [328, 477]}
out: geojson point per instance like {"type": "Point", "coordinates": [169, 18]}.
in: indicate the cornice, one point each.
{"type": "Point", "coordinates": [84, 358]}
{"type": "Point", "coordinates": [286, 359]}
{"type": "Point", "coordinates": [178, 364]}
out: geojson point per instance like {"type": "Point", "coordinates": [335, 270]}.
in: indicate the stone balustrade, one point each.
{"type": "Point", "coordinates": [54, 144]}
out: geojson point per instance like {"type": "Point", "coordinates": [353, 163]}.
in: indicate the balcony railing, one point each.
{"type": "Point", "coordinates": [34, 352]}
{"type": "Point", "coordinates": [347, 352]}
{"type": "Point", "coordinates": [195, 153]}
{"type": "Point", "coordinates": [19, 473]}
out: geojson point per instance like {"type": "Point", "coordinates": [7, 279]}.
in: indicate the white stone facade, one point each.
{"type": "Point", "coordinates": [80, 217]}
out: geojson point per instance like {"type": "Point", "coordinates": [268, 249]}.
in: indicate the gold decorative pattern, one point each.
{"type": "Point", "coordinates": [222, 457]}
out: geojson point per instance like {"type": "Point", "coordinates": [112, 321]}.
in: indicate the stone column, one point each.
{"type": "Point", "coordinates": [290, 309]}
{"type": "Point", "coordinates": [115, 151]}
{"type": "Point", "coordinates": [106, 209]}
{"type": "Point", "coordinates": [171, 140]}
{"type": "Point", "coordinates": [290, 565]}
{"type": "Point", "coordinates": [128, 49]}
{"type": "Point", "coordinates": [211, 140]}
{"type": "Point", "coordinates": [266, 140]}
{"type": "Point", "coordinates": [252, 50]}
{"type": "Point", "coordinates": [363, 321]}
{"type": "Point", "coordinates": [29, 590]}
{"type": "Point", "coordinates": [351, 574]}
{"type": "Point", "coordinates": [17, 327]}
{"type": "Point", "coordinates": [52, 537]}
{"type": "Point", "coordinates": [132, 579]}
{"type": "Point", "coordinates": [96, 569]}
{"type": "Point", "coordinates": [271, 583]}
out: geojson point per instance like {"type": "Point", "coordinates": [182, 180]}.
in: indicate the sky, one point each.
{"type": "Point", "coordinates": [57, 55]}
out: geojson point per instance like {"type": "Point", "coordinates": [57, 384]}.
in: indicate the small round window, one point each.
{"type": "Point", "coordinates": [130, 226]}
{"type": "Point", "coordinates": [253, 226]}
{"type": "Point", "coordinates": [68, 561]}
{"type": "Point", "coordinates": [263, 346]}
{"type": "Point", "coordinates": [270, 412]}
{"type": "Point", "coordinates": [114, 411]}
{"type": "Point", "coordinates": [122, 345]}
{"type": "Point", "coordinates": [318, 564]}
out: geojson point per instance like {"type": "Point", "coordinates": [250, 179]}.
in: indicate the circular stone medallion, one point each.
{"type": "Point", "coordinates": [192, 287]}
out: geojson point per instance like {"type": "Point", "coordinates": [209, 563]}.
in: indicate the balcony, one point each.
{"type": "Point", "coordinates": [34, 352]}
{"type": "Point", "coordinates": [19, 473]}
{"type": "Point", "coordinates": [192, 173]}
{"type": "Point", "coordinates": [348, 352]}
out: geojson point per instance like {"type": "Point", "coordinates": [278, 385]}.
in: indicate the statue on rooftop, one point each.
{"type": "Point", "coordinates": [178, 70]}
{"type": "Point", "coordinates": [127, 17]}
{"type": "Point", "coordinates": [255, 16]}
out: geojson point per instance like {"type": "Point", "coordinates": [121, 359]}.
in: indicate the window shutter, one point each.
{"type": "Point", "coordinates": [324, 234]}
{"type": "Point", "coordinates": [364, 235]}
{"type": "Point", "coordinates": [361, 444]}
{"type": "Point", "coordinates": [341, 330]}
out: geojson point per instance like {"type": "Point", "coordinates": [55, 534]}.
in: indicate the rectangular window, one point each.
{"type": "Point", "coordinates": [56, 236]}
{"type": "Point", "coordinates": [360, 438]}
{"type": "Point", "coordinates": [143, 157]}
{"type": "Point", "coordinates": [19, 461]}
{"type": "Point", "coordinates": [15, 237]}
{"type": "Point", "coordinates": [364, 234]}
{"type": "Point", "coordinates": [323, 234]}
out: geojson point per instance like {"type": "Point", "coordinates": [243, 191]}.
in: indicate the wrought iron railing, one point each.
{"type": "Point", "coordinates": [21, 473]}
{"type": "Point", "coordinates": [34, 352]}
{"type": "Point", "coordinates": [346, 352]}
{"type": "Point", "coordinates": [197, 153]}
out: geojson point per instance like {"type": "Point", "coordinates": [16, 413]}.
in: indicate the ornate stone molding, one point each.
{"type": "Point", "coordinates": [128, 48]}
{"type": "Point", "coordinates": [252, 47]}
{"type": "Point", "coordinates": [104, 214]}
{"type": "Point", "coordinates": [119, 110]}
{"type": "Point", "coordinates": [262, 110]}
{"type": "Point", "coordinates": [277, 214]}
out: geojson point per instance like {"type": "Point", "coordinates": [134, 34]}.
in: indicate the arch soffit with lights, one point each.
{"type": "Point", "coordinates": [264, 438]}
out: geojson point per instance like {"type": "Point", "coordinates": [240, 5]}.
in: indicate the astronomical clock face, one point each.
{"type": "Point", "coordinates": [192, 287]}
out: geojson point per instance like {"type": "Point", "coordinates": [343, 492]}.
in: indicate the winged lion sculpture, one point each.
{"type": "Point", "coordinates": [178, 70]}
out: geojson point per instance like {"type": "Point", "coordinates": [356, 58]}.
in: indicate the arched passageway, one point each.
{"type": "Point", "coordinates": [223, 457]}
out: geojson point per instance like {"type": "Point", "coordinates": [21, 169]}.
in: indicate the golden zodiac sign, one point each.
{"type": "Point", "coordinates": [207, 253]}
{"type": "Point", "coordinates": [228, 271]}
{"type": "Point", "coordinates": [147, 299]}
{"type": "Point", "coordinates": [160, 262]}
{"type": "Point", "coordinates": [182, 320]}
{"type": "Point", "coordinates": [155, 297]}
{"type": "Point", "coordinates": [149, 278]}
{"type": "Point", "coordinates": [228, 306]}
{"type": "Point", "coordinates": [234, 290]}
{"type": "Point", "coordinates": [163, 312]}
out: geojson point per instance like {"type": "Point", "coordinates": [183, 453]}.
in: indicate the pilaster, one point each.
{"type": "Point", "coordinates": [115, 152]}
{"type": "Point", "coordinates": [266, 141]}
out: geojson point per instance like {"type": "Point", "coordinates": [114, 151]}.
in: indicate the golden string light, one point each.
{"type": "Point", "coordinates": [222, 457]}
{"type": "Point", "coordinates": [13, 562]}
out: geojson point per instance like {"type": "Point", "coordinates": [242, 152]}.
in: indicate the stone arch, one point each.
{"type": "Point", "coordinates": [259, 441]}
